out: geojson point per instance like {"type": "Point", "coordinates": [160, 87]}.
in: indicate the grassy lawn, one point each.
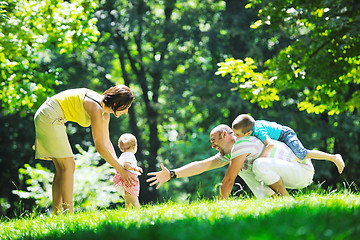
{"type": "Point", "coordinates": [313, 216]}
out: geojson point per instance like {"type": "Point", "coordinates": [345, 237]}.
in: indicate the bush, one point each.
{"type": "Point", "coordinates": [93, 186]}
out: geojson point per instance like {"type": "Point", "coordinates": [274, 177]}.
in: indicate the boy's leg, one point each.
{"type": "Point", "coordinates": [293, 142]}
{"type": "Point", "coordinates": [335, 158]}
{"type": "Point", "coordinates": [131, 201]}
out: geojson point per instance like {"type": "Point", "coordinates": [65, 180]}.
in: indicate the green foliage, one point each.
{"type": "Point", "coordinates": [2, 12]}
{"type": "Point", "coordinates": [93, 186]}
{"type": "Point", "coordinates": [313, 216]}
{"type": "Point", "coordinates": [38, 180]}
{"type": "Point", "coordinates": [28, 34]}
{"type": "Point", "coordinates": [253, 86]}
{"type": "Point", "coordinates": [322, 61]}
{"type": "Point", "coordinates": [93, 181]}
{"type": "Point", "coordinates": [4, 205]}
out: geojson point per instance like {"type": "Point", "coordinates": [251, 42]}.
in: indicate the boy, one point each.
{"type": "Point", "coordinates": [245, 125]}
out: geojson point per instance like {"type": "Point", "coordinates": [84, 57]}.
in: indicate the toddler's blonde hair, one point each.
{"type": "Point", "coordinates": [127, 141]}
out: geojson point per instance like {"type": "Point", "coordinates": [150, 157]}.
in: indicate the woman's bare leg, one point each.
{"type": "Point", "coordinates": [56, 191]}
{"type": "Point", "coordinates": [64, 180]}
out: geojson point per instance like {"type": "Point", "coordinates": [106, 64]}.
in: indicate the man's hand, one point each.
{"type": "Point", "coordinates": [159, 177]}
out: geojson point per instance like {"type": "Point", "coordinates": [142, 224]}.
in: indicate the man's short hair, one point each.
{"type": "Point", "coordinates": [221, 128]}
{"type": "Point", "coordinates": [244, 122]}
{"type": "Point", "coordinates": [127, 141]}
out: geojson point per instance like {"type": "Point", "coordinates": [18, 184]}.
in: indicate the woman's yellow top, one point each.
{"type": "Point", "coordinates": [72, 103]}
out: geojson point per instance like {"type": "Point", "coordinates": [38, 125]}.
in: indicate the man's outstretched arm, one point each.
{"type": "Point", "coordinates": [188, 170]}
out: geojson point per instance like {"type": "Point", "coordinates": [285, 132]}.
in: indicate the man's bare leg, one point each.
{"type": "Point", "coordinates": [279, 188]}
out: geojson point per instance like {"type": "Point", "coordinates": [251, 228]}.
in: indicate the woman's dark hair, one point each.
{"type": "Point", "coordinates": [118, 98]}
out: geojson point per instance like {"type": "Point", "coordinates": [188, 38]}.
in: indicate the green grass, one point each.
{"type": "Point", "coordinates": [313, 216]}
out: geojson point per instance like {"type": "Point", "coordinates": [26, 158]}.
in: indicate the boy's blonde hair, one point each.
{"type": "Point", "coordinates": [127, 141]}
{"type": "Point", "coordinates": [244, 123]}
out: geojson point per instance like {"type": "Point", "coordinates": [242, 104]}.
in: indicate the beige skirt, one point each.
{"type": "Point", "coordinates": [51, 140]}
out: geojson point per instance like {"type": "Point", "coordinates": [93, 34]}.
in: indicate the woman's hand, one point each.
{"type": "Point", "coordinates": [127, 176]}
{"type": "Point", "coordinates": [100, 132]}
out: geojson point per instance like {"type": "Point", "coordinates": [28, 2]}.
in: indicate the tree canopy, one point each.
{"type": "Point", "coordinates": [322, 61]}
{"type": "Point", "coordinates": [29, 31]}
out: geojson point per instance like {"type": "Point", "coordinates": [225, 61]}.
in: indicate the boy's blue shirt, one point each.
{"type": "Point", "coordinates": [265, 128]}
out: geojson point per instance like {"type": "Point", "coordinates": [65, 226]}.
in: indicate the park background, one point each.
{"type": "Point", "coordinates": [307, 71]}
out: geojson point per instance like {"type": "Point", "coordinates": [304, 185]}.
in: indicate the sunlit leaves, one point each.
{"type": "Point", "coordinates": [322, 62]}
{"type": "Point", "coordinates": [2, 12]}
{"type": "Point", "coordinates": [38, 180]}
{"type": "Point", "coordinates": [31, 30]}
{"type": "Point", "coordinates": [254, 86]}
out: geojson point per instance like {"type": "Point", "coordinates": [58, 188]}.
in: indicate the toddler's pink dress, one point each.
{"type": "Point", "coordinates": [120, 185]}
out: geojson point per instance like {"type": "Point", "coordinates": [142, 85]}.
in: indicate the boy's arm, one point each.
{"type": "Point", "coordinates": [269, 145]}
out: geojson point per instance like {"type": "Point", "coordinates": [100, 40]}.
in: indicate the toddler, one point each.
{"type": "Point", "coordinates": [128, 145]}
{"type": "Point", "coordinates": [245, 125]}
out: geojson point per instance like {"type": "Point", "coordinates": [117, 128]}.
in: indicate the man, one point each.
{"type": "Point", "coordinates": [265, 175]}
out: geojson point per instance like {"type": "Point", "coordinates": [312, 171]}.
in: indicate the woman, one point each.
{"type": "Point", "coordinates": [86, 108]}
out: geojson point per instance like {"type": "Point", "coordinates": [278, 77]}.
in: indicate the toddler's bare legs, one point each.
{"type": "Point", "coordinates": [131, 201]}
{"type": "Point", "coordinates": [335, 158]}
